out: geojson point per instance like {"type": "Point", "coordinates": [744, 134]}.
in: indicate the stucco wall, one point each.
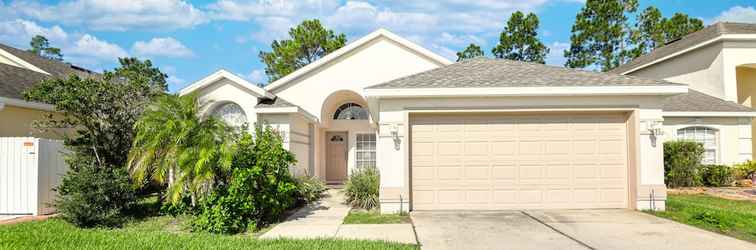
{"type": "Point", "coordinates": [225, 91]}
{"type": "Point", "coordinates": [17, 121]}
{"type": "Point", "coordinates": [393, 160]}
{"type": "Point", "coordinates": [701, 69]}
{"type": "Point", "coordinates": [295, 133]}
{"type": "Point", "coordinates": [734, 143]}
{"type": "Point", "coordinates": [378, 61]}
{"type": "Point", "coordinates": [746, 77]}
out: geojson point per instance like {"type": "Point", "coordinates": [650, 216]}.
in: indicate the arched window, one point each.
{"type": "Point", "coordinates": [350, 111]}
{"type": "Point", "coordinates": [231, 113]}
{"type": "Point", "coordinates": [705, 136]}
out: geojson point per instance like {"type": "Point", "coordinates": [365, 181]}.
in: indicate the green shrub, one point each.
{"type": "Point", "coordinates": [184, 206]}
{"type": "Point", "coordinates": [362, 188]}
{"type": "Point", "coordinates": [716, 175]}
{"type": "Point", "coordinates": [310, 188]}
{"type": "Point", "coordinates": [90, 196]}
{"type": "Point", "coordinates": [223, 213]}
{"type": "Point", "coordinates": [681, 162]}
{"type": "Point", "coordinates": [260, 191]}
{"type": "Point", "coordinates": [745, 170]}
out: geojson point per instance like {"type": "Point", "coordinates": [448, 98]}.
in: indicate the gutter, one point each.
{"type": "Point", "coordinates": [4, 101]}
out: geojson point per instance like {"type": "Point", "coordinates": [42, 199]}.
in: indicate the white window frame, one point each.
{"type": "Point", "coordinates": [716, 147]}
{"type": "Point", "coordinates": [360, 148]}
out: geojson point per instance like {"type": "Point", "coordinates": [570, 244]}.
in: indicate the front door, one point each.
{"type": "Point", "coordinates": [336, 159]}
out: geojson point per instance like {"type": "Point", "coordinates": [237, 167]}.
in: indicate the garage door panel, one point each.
{"type": "Point", "coordinates": [518, 162]}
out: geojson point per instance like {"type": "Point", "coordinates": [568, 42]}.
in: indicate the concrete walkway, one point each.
{"type": "Point", "coordinates": [323, 219]}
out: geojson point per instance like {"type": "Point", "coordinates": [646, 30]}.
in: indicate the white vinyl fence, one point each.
{"type": "Point", "coordinates": [29, 169]}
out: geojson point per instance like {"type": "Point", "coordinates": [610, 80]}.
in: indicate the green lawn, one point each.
{"type": "Point", "coordinates": [729, 217]}
{"type": "Point", "coordinates": [154, 233]}
{"type": "Point", "coordinates": [375, 217]}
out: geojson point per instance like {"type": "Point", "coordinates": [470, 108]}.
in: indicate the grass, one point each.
{"type": "Point", "coordinates": [375, 217]}
{"type": "Point", "coordinates": [728, 217]}
{"type": "Point", "coordinates": [155, 233]}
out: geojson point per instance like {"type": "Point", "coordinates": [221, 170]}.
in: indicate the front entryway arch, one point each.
{"type": "Point", "coordinates": [348, 135]}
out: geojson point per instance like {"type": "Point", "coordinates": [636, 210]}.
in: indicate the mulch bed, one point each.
{"type": "Point", "coordinates": [730, 193]}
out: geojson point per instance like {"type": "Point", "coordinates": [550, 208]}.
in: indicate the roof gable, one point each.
{"type": "Point", "coordinates": [223, 74]}
{"type": "Point", "coordinates": [703, 37]}
{"type": "Point", "coordinates": [352, 47]}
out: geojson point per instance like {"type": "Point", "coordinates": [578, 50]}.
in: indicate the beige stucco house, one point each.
{"type": "Point", "coordinates": [716, 62]}
{"type": "Point", "coordinates": [19, 70]}
{"type": "Point", "coordinates": [481, 134]}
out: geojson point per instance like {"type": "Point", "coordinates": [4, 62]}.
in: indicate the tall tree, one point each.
{"type": "Point", "coordinates": [309, 41]}
{"type": "Point", "coordinates": [472, 51]}
{"type": "Point", "coordinates": [599, 34]}
{"type": "Point", "coordinates": [41, 46]}
{"type": "Point", "coordinates": [652, 30]}
{"type": "Point", "coordinates": [519, 40]}
{"type": "Point", "coordinates": [103, 109]}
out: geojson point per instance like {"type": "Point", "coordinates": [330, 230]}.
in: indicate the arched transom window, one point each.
{"type": "Point", "coordinates": [350, 111]}
{"type": "Point", "coordinates": [231, 113]}
{"type": "Point", "coordinates": [705, 136]}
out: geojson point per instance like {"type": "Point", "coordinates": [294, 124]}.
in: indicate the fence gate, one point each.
{"type": "Point", "coordinates": [29, 169]}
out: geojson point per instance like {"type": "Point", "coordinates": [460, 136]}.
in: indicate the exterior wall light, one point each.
{"type": "Point", "coordinates": [394, 130]}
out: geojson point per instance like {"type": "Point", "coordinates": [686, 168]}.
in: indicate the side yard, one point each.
{"type": "Point", "coordinates": [734, 218]}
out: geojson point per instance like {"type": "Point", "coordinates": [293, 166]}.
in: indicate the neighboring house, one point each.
{"type": "Point", "coordinates": [718, 63]}
{"type": "Point", "coordinates": [481, 134]}
{"type": "Point", "coordinates": [19, 70]}
{"type": "Point", "coordinates": [29, 166]}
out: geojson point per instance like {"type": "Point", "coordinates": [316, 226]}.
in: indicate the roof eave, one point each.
{"type": "Point", "coordinates": [5, 101]}
{"type": "Point", "coordinates": [707, 114]}
{"type": "Point", "coordinates": [287, 110]}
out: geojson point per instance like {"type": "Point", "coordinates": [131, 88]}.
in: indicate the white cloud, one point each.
{"type": "Point", "coordinates": [19, 32]}
{"type": "Point", "coordinates": [556, 53]}
{"type": "Point", "coordinates": [113, 15]}
{"type": "Point", "coordinates": [90, 46]}
{"type": "Point", "coordinates": [162, 46]}
{"type": "Point", "coordinates": [257, 76]}
{"type": "Point", "coordinates": [738, 14]}
{"type": "Point", "coordinates": [80, 49]}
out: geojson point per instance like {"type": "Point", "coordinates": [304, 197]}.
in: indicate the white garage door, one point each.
{"type": "Point", "coordinates": [500, 161]}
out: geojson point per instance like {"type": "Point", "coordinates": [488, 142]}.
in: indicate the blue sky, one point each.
{"type": "Point", "coordinates": [190, 39]}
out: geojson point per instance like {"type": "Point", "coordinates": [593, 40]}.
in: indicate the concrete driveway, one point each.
{"type": "Point", "coordinates": [562, 229]}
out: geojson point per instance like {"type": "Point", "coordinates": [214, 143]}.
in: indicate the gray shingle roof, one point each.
{"type": "Point", "coordinates": [14, 80]}
{"type": "Point", "coordinates": [277, 102]}
{"type": "Point", "coordinates": [485, 72]}
{"type": "Point", "coordinates": [695, 101]}
{"type": "Point", "coordinates": [690, 40]}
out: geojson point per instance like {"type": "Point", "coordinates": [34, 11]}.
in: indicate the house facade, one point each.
{"type": "Point", "coordinates": [481, 134]}
{"type": "Point", "coordinates": [718, 61]}
{"type": "Point", "coordinates": [19, 71]}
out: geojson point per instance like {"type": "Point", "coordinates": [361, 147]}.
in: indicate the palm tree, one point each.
{"type": "Point", "coordinates": [174, 144]}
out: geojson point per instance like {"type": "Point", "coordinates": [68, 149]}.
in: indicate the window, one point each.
{"type": "Point", "coordinates": [365, 150]}
{"type": "Point", "coordinates": [350, 111]}
{"type": "Point", "coordinates": [231, 113]}
{"type": "Point", "coordinates": [705, 136]}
